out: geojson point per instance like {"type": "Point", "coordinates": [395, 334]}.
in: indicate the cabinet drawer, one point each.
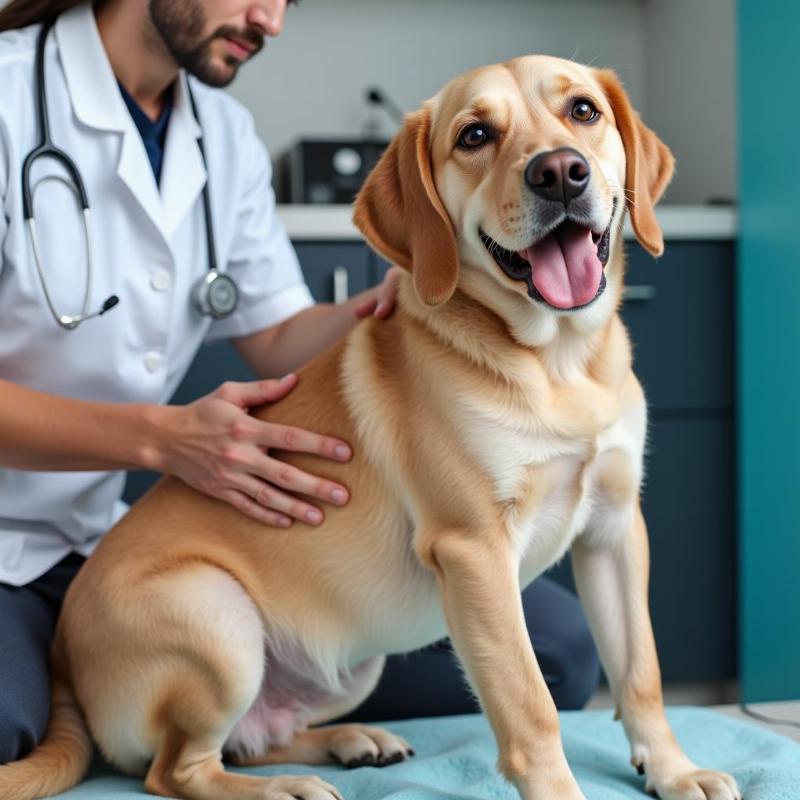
{"type": "Point", "coordinates": [328, 265]}
{"type": "Point", "coordinates": [680, 315]}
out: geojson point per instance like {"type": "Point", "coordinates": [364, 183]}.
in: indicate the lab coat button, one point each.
{"type": "Point", "coordinates": [153, 361]}
{"type": "Point", "coordinates": [160, 280]}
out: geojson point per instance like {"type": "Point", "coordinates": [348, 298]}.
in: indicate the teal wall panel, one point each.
{"type": "Point", "coordinates": [768, 306]}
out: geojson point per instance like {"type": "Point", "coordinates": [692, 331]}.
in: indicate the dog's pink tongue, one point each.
{"type": "Point", "coordinates": [565, 266]}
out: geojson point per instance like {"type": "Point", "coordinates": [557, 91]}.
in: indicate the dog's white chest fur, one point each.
{"type": "Point", "coordinates": [554, 488]}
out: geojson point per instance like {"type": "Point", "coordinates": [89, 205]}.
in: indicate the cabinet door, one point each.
{"type": "Point", "coordinates": [335, 267]}
{"type": "Point", "coordinates": [689, 507]}
{"type": "Point", "coordinates": [688, 504]}
{"type": "Point", "coordinates": [679, 313]}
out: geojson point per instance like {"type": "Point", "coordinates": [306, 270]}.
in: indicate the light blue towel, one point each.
{"type": "Point", "coordinates": [455, 760]}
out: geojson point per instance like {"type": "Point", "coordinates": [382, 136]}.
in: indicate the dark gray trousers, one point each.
{"type": "Point", "coordinates": [426, 683]}
{"type": "Point", "coordinates": [27, 620]}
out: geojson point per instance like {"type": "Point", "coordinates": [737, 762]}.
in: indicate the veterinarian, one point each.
{"type": "Point", "coordinates": [108, 290]}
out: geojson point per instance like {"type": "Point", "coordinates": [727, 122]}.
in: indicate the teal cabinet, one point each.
{"type": "Point", "coordinates": [768, 307]}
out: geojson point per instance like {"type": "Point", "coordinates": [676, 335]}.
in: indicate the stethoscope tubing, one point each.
{"type": "Point", "coordinates": [46, 149]}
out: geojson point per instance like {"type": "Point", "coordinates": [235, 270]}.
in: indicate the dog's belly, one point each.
{"type": "Point", "coordinates": [298, 686]}
{"type": "Point", "coordinates": [293, 693]}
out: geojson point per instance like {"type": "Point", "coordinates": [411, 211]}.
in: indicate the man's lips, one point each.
{"type": "Point", "coordinates": [239, 47]}
{"type": "Point", "coordinates": [563, 269]}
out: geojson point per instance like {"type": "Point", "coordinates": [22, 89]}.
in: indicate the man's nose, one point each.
{"type": "Point", "coordinates": [268, 16]}
{"type": "Point", "coordinates": [560, 175]}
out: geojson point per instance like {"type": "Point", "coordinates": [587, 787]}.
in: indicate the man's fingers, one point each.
{"type": "Point", "coordinates": [251, 508]}
{"type": "Point", "coordinates": [366, 308]}
{"type": "Point", "coordinates": [299, 440]}
{"type": "Point", "coordinates": [295, 480]}
{"type": "Point", "coordinates": [271, 497]}
{"type": "Point", "coordinates": [253, 393]}
{"type": "Point", "coordinates": [384, 310]}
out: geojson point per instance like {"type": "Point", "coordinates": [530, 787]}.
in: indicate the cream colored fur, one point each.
{"type": "Point", "coordinates": [491, 434]}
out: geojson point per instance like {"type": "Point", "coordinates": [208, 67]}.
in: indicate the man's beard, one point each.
{"type": "Point", "coordinates": [180, 24]}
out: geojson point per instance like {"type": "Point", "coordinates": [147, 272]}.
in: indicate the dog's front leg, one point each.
{"type": "Point", "coordinates": [612, 575]}
{"type": "Point", "coordinates": [479, 586]}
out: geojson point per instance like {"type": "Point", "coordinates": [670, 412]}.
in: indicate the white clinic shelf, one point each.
{"type": "Point", "coordinates": [678, 222]}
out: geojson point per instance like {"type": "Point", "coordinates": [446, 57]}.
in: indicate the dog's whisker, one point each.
{"type": "Point", "coordinates": [629, 198]}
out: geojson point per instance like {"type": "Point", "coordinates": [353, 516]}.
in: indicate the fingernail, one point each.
{"type": "Point", "coordinates": [339, 495]}
{"type": "Point", "coordinates": [284, 522]}
{"type": "Point", "coordinates": [342, 451]}
{"type": "Point", "coordinates": [287, 377]}
{"type": "Point", "coordinates": [313, 516]}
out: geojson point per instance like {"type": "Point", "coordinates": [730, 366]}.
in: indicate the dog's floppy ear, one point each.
{"type": "Point", "coordinates": [402, 216]}
{"type": "Point", "coordinates": [649, 164]}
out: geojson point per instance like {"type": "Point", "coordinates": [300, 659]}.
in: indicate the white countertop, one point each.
{"type": "Point", "coordinates": [334, 223]}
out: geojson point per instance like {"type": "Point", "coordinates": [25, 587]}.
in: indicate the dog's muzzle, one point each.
{"type": "Point", "coordinates": [563, 269]}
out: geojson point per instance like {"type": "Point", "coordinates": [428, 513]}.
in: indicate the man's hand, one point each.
{"type": "Point", "coordinates": [215, 446]}
{"type": "Point", "coordinates": [382, 298]}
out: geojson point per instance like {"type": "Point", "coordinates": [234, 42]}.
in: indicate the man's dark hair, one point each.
{"type": "Point", "coordinates": [21, 13]}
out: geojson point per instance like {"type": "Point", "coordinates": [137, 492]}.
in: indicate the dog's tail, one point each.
{"type": "Point", "coordinates": [61, 758]}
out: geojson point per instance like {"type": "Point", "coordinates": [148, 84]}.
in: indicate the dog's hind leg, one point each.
{"type": "Point", "coordinates": [202, 671]}
{"type": "Point", "coordinates": [351, 745]}
{"type": "Point", "coordinates": [193, 770]}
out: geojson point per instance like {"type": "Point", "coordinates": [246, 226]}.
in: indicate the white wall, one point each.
{"type": "Point", "coordinates": [690, 92]}
{"type": "Point", "coordinates": [310, 81]}
{"type": "Point", "coordinates": [676, 57]}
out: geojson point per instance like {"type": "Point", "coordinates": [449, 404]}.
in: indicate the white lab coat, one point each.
{"type": "Point", "coordinates": [149, 248]}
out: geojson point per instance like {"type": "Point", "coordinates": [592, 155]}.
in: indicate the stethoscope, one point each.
{"type": "Point", "coordinates": [215, 294]}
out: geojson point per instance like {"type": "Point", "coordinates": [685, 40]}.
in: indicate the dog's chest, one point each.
{"type": "Point", "coordinates": [552, 487]}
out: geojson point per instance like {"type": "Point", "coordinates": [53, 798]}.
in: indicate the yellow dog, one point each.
{"type": "Point", "coordinates": [496, 423]}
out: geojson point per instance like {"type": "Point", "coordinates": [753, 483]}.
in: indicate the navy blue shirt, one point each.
{"type": "Point", "coordinates": [153, 134]}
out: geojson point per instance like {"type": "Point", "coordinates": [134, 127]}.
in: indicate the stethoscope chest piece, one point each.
{"type": "Point", "coordinates": [216, 295]}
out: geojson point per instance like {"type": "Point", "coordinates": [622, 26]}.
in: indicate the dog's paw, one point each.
{"type": "Point", "coordinates": [550, 786]}
{"type": "Point", "coordinates": [306, 787]}
{"type": "Point", "coordinates": [697, 784]}
{"type": "Point", "coordinates": [365, 746]}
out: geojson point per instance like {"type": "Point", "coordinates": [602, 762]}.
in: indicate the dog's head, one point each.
{"type": "Point", "coordinates": [519, 173]}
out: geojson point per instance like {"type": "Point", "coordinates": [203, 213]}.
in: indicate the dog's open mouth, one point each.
{"type": "Point", "coordinates": [563, 269]}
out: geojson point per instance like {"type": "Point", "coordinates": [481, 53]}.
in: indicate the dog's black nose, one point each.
{"type": "Point", "coordinates": [560, 175]}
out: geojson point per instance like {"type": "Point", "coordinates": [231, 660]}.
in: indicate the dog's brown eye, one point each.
{"type": "Point", "coordinates": [584, 111]}
{"type": "Point", "coordinates": [474, 136]}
